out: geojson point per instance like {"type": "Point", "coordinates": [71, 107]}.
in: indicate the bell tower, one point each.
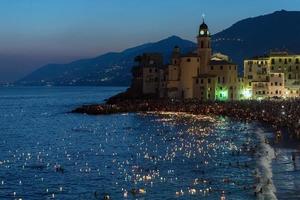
{"type": "Point", "coordinates": [204, 47]}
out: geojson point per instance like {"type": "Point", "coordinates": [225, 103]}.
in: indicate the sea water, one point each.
{"type": "Point", "coordinates": [46, 152]}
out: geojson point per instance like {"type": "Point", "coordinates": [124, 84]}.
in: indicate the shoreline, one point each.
{"type": "Point", "coordinates": [280, 114]}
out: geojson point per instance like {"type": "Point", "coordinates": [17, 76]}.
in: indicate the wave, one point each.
{"type": "Point", "coordinates": [265, 188]}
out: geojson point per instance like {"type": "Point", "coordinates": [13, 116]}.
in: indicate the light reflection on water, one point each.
{"type": "Point", "coordinates": [48, 153]}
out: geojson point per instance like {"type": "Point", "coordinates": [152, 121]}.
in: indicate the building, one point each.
{"type": "Point", "coordinates": [276, 75]}
{"type": "Point", "coordinates": [209, 77]}
{"type": "Point", "coordinates": [146, 74]}
{"type": "Point", "coordinates": [196, 75]}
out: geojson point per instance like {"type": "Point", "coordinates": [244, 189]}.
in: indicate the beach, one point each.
{"type": "Point", "coordinates": [280, 114]}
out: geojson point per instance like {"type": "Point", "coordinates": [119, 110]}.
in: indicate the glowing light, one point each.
{"type": "Point", "coordinates": [247, 93]}
{"type": "Point", "coordinates": [222, 95]}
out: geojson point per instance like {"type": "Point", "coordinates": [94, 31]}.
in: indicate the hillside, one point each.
{"type": "Point", "coordinates": [246, 38]}
{"type": "Point", "coordinates": [256, 36]}
{"type": "Point", "coordinates": [108, 69]}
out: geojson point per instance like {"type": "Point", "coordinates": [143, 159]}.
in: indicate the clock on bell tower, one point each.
{"type": "Point", "coordinates": [204, 47]}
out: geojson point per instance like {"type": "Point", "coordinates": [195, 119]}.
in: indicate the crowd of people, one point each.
{"type": "Point", "coordinates": [278, 113]}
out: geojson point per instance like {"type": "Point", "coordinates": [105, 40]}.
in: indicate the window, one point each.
{"type": "Point", "coordinates": [188, 60]}
{"type": "Point", "coordinates": [279, 60]}
{"type": "Point", "coordinates": [273, 61]}
{"type": "Point", "coordinates": [219, 80]}
{"type": "Point", "coordinates": [290, 76]}
{"type": "Point", "coordinates": [250, 69]}
{"type": "Point", "coordinates": [250, 76]}
{"type": "Point", "coordinates": [208, 80]}
{"type": "Point", "coordinates": [201, 81]}
{"type": "Point", "coordinates": [229, 67]}
{"type": "Point", "coordinates": [276, 83]}
{"type": "Point", "coordinates": [285, 61]}
{"type": "Point", "coordinates": [279, 75]}
{"type": "Point", "coordinates": [223, 79]}
{"type": "Point", "coordinates": [202, 44]}
{"type": "Point", "coordinates": [211, 67]}
{"type": "Point", "coordinates": [150, 70]}
{"type": "Point", "coordinates": [221, 67]}
{"type": "Point", "coordinates": [197, 81]}
{"type": "Point", "coordinates": [272, 68]}
{"type": "Point", "coordinates": [297, 61]}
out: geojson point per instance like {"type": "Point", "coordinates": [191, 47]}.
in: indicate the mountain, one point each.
{"type": "Point", "coordinates": [107, 69]}
{"type": "Point", "coordinates": [246, 38]}
{"type": "Point", "coordinates": [255, 36]}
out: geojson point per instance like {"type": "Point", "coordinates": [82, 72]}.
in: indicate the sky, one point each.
{"type": "Point", "coordinates": [37, 32]}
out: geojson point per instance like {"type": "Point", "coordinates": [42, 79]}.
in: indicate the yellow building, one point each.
{"type": "Point", "coordinates": [209, 77]}
{"type": "Point", "coordinates": [199, 74]}
{"type": "Point", "coordinates": [273, 75]}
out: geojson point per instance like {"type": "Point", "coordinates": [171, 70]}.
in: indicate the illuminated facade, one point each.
{"type": "Point", "coordinates": [196, 75]}
{"type": "Point", "coordinates": [210, 77]}
{"type": "Point", "coordinates": [276, 75]}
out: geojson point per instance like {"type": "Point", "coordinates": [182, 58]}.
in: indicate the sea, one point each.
{"type": "Point", "coordinates": [47, 152]}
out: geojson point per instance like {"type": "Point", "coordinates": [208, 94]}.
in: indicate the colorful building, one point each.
{"type": "Point", "coordinates": [196, 75]}
{"type": "Point", "coordinates": [209, 77]}
{"type": "Point", "coordinates": [276, 75]}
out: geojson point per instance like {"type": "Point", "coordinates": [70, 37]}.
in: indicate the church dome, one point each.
{"type": "Point", "coordinates": [203, 26]}
{"type": "Point", "coordinates": [203, 30]}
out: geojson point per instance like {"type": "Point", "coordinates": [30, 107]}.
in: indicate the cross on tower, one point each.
{"type": "Point", "coordinates": [203, 16]}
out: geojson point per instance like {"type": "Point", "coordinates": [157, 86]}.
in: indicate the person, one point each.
{"type": "Point", "coordinates": [294, 160]}
{"type": "Point", "coordinates": [293, 157]}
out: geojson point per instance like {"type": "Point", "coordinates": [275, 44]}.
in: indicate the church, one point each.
{"type": "Point", "coordinates": [196, 75]}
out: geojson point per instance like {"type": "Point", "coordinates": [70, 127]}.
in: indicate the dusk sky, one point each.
{"type": "Point", "coordinates": [37, 32]}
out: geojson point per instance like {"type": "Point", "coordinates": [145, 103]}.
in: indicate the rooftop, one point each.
{"type": "Point", "coordinates": [191, 54]}
{"type": "Point", "coordinates": [220, 62]}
